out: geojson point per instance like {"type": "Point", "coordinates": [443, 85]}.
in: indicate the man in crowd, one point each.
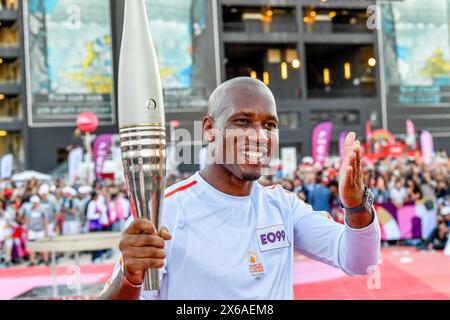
{"type": "Point", "coordinates": [80, 203]}
{"type": "Point", "coordinates": [398, 193]}
{"type": "Point", "coordinates": [36, 223]}
{"type": "Point", "coordinates": [94, 213]}
{"type": "Point", "coordinates": [49, 205]}
{"type": "Point", "coordinates": [320, 196]}
{"type": "Point", "coordinates": [71, 224]}
{"type": "Point", "coordinates": [439, 237]}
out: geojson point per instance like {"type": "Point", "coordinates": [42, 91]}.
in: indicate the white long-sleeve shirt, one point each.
{"type": "Point", "coordinates": [93, 211]}
{"type": "Point", "coordinates": [228, 247]}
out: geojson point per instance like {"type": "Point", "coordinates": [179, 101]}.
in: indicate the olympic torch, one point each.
{"type": "Point", "coordinates": [141, 121]}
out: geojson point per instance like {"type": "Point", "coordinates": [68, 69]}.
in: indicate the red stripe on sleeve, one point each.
{"type": "Point", "coordinates": [192, 183]}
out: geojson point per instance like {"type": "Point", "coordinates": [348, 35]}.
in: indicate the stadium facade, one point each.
{"type": "Point", "coordinates": [320, 58]}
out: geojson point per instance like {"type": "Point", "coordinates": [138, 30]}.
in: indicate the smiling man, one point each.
{"type": "Point", "coordinates": [230, 237]}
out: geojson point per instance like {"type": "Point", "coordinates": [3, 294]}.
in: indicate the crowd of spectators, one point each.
{"type": "Point", "coordinates": [36, 210]}
{"type": "Point", "coordinates": [399, 181]}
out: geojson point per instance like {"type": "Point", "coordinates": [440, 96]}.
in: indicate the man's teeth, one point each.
{"type": "Point", "coordinates": [253, 154]}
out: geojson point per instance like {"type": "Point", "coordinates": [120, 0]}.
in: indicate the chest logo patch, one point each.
{"type": "Point", "coordinates": [272, 238]}
{"type": "Point", "coordinates": [255, 266]}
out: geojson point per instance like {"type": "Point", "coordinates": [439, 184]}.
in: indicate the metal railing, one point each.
{"type": "Point", "coordinates": [336, 92]}
{"type": "Point", "coordinates": [259, 27]}
{"type": "Point", "coordinates": [327, 27]}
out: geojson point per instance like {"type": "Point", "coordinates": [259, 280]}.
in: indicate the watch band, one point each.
{"type": "Point", "coordinates": [361, 208]}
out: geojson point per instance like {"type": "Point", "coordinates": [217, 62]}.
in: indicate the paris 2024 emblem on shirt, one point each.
{"type": "Point", "coordinates": [254, 264]}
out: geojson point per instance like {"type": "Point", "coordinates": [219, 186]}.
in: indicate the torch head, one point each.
{"type": "Point", "coordinates": [140, 95]}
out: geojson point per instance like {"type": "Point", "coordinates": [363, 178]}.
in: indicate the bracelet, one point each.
{"type": "Point", "coordinates": [124, 276]}
{"type": "Point", "coordinates": [129, 283]}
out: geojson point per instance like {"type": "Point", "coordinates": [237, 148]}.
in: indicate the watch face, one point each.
{"type": "Point", "coordinates": [369, 199]}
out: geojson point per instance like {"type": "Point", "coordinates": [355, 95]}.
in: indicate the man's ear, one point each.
{"type": "Point", "coordinates": [208, 129]}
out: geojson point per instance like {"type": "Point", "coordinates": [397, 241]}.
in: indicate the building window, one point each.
{"type": "Point", "coordinates": [289, 120]}
{"type": "Point", "coordinates": [340, 71]}
{"type": "Point", "coordinates": [9, 34]}
{"type": "Point", "coordinates": [339, 117]}
{"type": "Point", "coordinates": [12, 142]}
{"type": "Point", "coordinates": [9, 71]}
{"type": "Point", "coordinates": [277, 65]}
{"type": "Point", "coordinates": [259, 19]}
{"type": "Point", "coordinates": [335, 20]}
{"type": "Point", "coordinates": [9, 4]}
{"type": "Point", "coordinates": [10, 108]}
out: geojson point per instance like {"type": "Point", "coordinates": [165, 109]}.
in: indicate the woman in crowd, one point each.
{"type": "Point", "coordinates": [95, 212]}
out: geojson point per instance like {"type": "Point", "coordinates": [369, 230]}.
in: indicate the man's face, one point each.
{"type": "Point", "coordinates": [248, 133]}
{"type": "Point", "coordinates": [334, 190]}
{"type": "Point", "coordinates": [443, 228]}
{"type": "Point", "coordinates": [310, 178]}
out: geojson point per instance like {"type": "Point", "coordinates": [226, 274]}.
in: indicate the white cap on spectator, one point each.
{"type": "Point", "coordinates": [308, 160]}
{"type": "Point", "coordinates": [445, 211]}
{"type": "Point", "coordinates": [44, 189]}
{"type": "Point", "coordinates": [69, 190]}
{"type": "Point", "coordinates": [35, 199]}
{"type": "Point", "coordinates": [85, 189]}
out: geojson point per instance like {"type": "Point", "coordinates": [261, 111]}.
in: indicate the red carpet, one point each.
{"type": "Point", "coordinates": [17, 281]}
{"type": "Point", "coordinates": [404, 274]}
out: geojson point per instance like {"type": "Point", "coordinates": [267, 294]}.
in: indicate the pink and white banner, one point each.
{"type": "Point", "coordinates": [74, 161]}
{"type": "Point", "coordinates": [411, 134]}
{"type": "Point", "coordinates": [426, 142]}
{"type": "Point", "coordinates": [407, 222]}
{"type": "Point", "coordinates": [368, 130]}
{"type": "Point", "coordinates": [101, 147]}
{"type": "Point", "coordinates": [321, 139]}
{"type": "Point", "coordinates": [6, 164]}
{"type": "Point", "coordinates": [342, 136]}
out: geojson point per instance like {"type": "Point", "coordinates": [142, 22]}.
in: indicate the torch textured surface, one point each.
{"type": "Point", "coordinates": [143, 157]}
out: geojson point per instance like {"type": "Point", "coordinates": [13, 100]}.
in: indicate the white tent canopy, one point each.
{"type": "Point", "coordinates": [28, 175]}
